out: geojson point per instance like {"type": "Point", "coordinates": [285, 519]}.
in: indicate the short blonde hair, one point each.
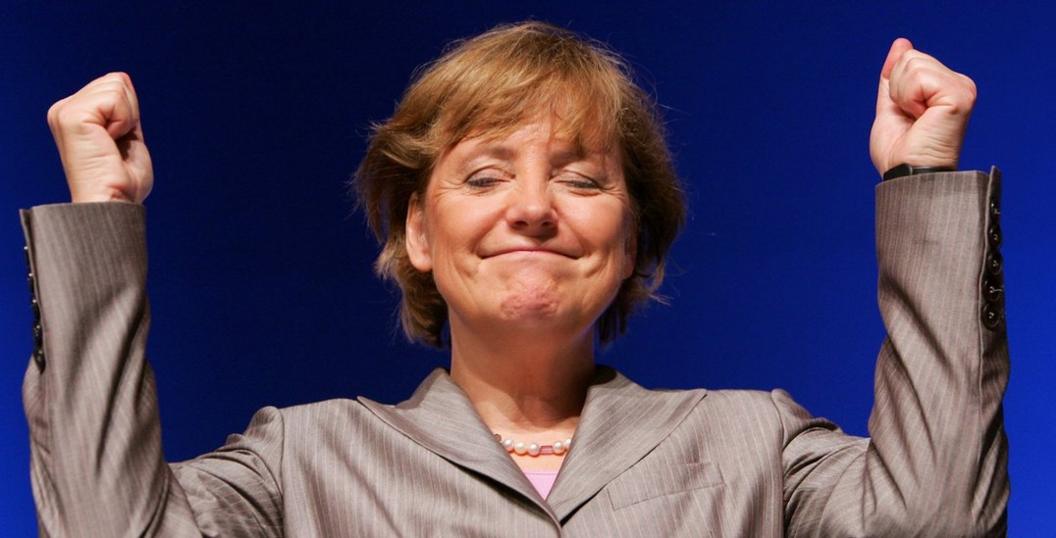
{"type": "Point", "coordinates": [490, 84]}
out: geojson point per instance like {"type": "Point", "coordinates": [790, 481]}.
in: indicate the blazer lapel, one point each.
{"type": "Point", "coordinates": [440, 418]}
{"type": "Point", "coordinates": [621, 423]}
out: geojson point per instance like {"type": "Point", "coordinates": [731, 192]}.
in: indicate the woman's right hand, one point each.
{"type": "Point", "coordinates": [100, 141]}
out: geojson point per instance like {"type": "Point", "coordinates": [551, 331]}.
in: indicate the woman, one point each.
{"type": "Point", "coordinates": [526, 200]}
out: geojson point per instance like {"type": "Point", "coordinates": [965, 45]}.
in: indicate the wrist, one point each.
{"type": "Point", "coordinates": [106, 195]}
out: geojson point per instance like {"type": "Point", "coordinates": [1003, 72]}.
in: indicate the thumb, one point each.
{"type": "Point", "coordinates": [898, 48]}
{"type": "Point", "coordinates": [883, 96]}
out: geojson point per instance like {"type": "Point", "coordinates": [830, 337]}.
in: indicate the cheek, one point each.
{"type": "Point", "coordinates": [607, 231]}
{"type": "Point", "coordinates": [455, 230]}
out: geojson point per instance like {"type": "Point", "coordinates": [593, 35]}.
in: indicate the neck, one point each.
{"type": "Point", "coordinates": [524, 384]}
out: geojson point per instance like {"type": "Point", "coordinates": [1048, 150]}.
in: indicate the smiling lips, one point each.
{"type": "Point", "coordinates": [527, 250]}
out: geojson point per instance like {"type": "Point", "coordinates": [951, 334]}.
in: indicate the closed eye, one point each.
{"type": "Point", "coordinates": [582, 184]}
{"type": "Point", "coordinates": [577, 180]}
{"type": "Point", "coordinates": [482, 182]}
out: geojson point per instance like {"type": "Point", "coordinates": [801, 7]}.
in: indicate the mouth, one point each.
{"type": "Point", "coordinates": [528, 251]}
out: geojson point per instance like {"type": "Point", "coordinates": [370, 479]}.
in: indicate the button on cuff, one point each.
{"type": "Point", "coordinates": [993, 316]}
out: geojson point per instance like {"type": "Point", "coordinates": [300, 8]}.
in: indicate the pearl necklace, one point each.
{"type": "Point", "coordinates": [534, 449]}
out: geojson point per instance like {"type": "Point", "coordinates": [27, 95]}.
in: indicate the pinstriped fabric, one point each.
{"type": "Point", "coordinates": [645, 462]}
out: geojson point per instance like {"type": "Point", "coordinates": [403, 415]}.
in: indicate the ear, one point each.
{"type": "Point", "coordinates": [415, 238]}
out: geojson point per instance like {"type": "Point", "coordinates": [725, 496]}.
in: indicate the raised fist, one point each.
{"type": "Point", "coordinates": [922, 110]}
{"type": "Point", "coordinates": [100, 142]}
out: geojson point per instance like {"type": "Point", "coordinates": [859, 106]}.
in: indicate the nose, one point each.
{"type": "Point", "coordinates": [530, 209]}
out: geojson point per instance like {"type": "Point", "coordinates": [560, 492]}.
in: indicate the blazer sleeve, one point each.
{"type": "Point", "coordinates": [97, 467]}
{"type": "Point", "coordinates": [936, 461]}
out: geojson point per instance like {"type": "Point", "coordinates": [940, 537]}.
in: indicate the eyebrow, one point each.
{"type": "Point", "coordinates": [505, 153]}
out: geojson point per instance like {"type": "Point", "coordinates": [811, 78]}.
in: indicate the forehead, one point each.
{"type": "Point", "coordinates": [563, 142]}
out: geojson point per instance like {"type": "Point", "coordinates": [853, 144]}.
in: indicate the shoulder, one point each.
{"type": "Point", "coordinates": [321, 412]}
{"type": "Point", "coordinates": [741, 402]}
{"type": "Point", "coordinates": [281, 419]}
{"type": "Point", "coordinates": [715, 404]}
{"type": "Point", "coordinates": [771, 410]}
{"type": "Point", "coordinates": [725, 425]}
{"type": "Point", "coordinates": [310, 426]}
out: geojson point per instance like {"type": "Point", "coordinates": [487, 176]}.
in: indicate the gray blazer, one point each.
{"type": "Point", "coordinates": [644, 463]}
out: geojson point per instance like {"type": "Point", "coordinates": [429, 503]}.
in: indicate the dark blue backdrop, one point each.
{"type": "Point", "coordinates": [260, 273]}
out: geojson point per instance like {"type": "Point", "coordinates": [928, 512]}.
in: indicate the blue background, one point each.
{"type": "Point", "coordinates": [260, 275]}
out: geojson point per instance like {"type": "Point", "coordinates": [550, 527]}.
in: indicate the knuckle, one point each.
{"type": "Point", "coordinates": [110, 96]}
{"type": "Point", "coordinates": [67, 117]}
{"type": "Point", "coordinates": [914, 65]}
{"type": "Point", "coordinates": [118, 78]}
{"type": "Point", "coordinates": [53, 112]}
{"type": "Point", "coordinates": [111, 84]}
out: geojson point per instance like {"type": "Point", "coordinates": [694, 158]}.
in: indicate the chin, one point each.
{"type": "Point", "coordinates": [529, 307]}
{"type": "Point", "coordinates": [544, 319]}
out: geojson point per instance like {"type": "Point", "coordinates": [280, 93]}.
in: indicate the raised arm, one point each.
{"type": "Point", "coordinates": [936, 461]}
{"type": "Point", "coordinates": [97, 466]}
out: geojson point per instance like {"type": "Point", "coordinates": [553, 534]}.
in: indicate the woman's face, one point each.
{"type": "Point", "coordinates": [524, 232]}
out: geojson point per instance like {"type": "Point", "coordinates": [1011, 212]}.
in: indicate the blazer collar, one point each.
{"type": "Point", "coordinates": [621, 422]}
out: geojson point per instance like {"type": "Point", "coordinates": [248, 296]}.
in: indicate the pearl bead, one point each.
{"type": "Point", "coordinates": [522, 448]}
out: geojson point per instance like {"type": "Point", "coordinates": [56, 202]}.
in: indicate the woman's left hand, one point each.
{"type": "Point", "coordinates": [922, 110]}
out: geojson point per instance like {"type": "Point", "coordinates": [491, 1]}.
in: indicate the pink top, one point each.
{"type": "Point", "coordinates": [542, 481]}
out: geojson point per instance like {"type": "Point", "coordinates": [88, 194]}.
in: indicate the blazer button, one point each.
{"type": "Point", "coordinates": [995, 209]}
{"type": "Point", "coordinates": [993, 262]}
{"type": "Point", "coordinates": [38, 357]}
{"type": "Point", "coordinates": [992, 290]}
{"type": "Point", "coordinates": [992, 316]}
{"type": "Point", "coordinates": [994, 235]}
